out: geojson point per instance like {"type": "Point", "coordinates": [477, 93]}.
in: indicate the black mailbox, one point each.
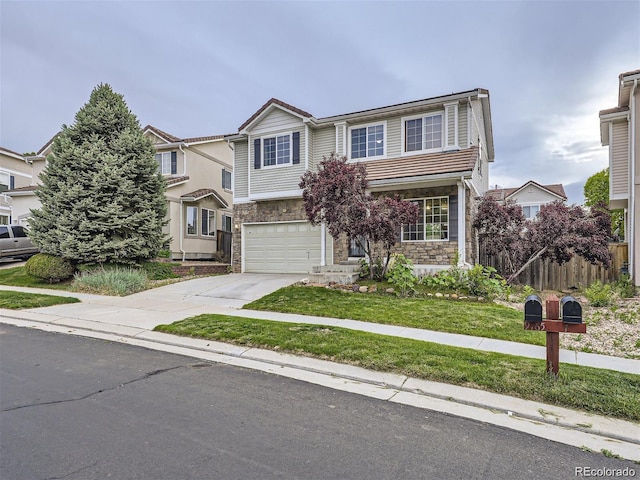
{"type": "Point", "coordinates": [570, 310]}
{"type": "Point", "coordinates": [533, 309]}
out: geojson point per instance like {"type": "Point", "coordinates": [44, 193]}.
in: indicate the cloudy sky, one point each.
{"type": "Point", "coordinates": [203, 68]}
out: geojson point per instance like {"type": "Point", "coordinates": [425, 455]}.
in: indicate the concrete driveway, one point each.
{"type": "Point", "coordinates": [227, 291]}
{"type": "Point", "coordinates": [217, 294]}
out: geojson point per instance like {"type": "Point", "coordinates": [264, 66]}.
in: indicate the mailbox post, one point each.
{"type": "Point", "coordinates": [571, 323]}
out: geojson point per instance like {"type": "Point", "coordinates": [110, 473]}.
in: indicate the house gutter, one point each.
{"type": "Point", "coordinates": [633, 238]}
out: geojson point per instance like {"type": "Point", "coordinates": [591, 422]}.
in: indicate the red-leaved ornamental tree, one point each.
{"type": "Point", "coordinates": [337, 196]}
{"type": "Point", "coordinates": [558, 232]}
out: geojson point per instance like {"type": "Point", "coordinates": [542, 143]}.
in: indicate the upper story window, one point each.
{"type": "Point", "coordinates": [530, 211]}
{"type": "Point", "coordinates": [167, 162]}
{"type": "Point", "coordinates": [226, 179]}
{"type": "Point", "coordinates": [277, 150]}
{"type": "Point", "coordinates": [7, 182]}
{"type": "Point", "coordinates": [424, 133]}
{"type": "Point", "coordinates": [367, 141]}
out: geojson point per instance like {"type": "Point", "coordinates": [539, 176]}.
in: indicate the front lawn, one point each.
{"type": "Point", "coordinates": [604, 392]}
{"type": "Point", "coordinates": [16, 300]}
{"type": "Point", "coordinates": [17, 277]}
{"type": "Point", "coordinates": [444, 315]}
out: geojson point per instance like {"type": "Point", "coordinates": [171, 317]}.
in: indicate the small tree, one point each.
{"type": "Point", "coordinates": [558, 232]}
{"type": "Point", "coordinates": [102, 195]}
{"type": "Point", "coordinates": [596, 193]}
{"type": "Point", "coordinates": [337, 195]}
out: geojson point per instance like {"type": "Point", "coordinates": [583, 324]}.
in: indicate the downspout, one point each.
{"type": "Point", "coordinates": [182, 229]}
{"type": "Point", "coordinates": [184, 170]}
{"type": "Point", "coordinates": [184, 160]}
{"type": "Point", "coordinates": [634, 268]}
{"type": "Point", "coordinates": [462, 234]}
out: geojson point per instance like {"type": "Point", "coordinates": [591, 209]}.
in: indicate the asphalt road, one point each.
{"type": "Point", "coordinates": [78, 408]}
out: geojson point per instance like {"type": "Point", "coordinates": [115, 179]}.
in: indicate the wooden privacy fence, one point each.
{"type": "Point", "coordinates": [577, 272]}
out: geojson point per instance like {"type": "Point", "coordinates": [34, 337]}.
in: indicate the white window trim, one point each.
{"type": "Point", "coordinates": [276, 135]}
{"type": "Point", "coordinates": [161, 162]}
{"type": "Point", "coordinates": [428, 240]}
{"type": "Point", "coordinates": [186, 227]}
{"type": "Point", "coordinates": [372, 157]}
{"type": "Point", "coordinates": [215, 226]}
{"type": "Point", "coordinates": [539, 205]}
{"type": "Point", "coordinates": [224, 171]}
{"type": "Point", "coordinates": [403, 121]}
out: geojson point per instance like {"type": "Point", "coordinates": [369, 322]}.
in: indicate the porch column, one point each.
{"type": "Point", "coordinates": [462, 234]}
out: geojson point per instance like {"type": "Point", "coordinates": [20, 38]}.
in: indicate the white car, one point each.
{"type": "Point", "coordinates": [14, 242]}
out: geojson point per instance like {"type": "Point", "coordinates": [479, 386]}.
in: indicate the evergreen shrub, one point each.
{"type": "Point", "coordinates": [49, 268]}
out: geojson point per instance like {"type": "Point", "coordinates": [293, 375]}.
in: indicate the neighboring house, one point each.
{"type": "Point", "coordinates": [619, 130]}
{"type": "Point", "coordinates": [434, 152]}
{"type": "Point", "coordinates": [15, 172]}
{"type": "Point", "coordinates": [199, 192]}
{"type": "Point", "coordinates": [530, 196]}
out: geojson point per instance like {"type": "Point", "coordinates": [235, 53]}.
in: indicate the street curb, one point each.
{"type": "Point", "coordinates": [619, 436]}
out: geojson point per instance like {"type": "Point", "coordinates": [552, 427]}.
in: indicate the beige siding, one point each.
{"type": "Point", "coordinates": [463, 136]}
{"type": "Point", "coordinates": [324, 144]}
{"type": "Point", "coordinates": [451, 126]}
{"type": "Point", "coordinates": [620, 160]}
{"type": "Point", "coordinates": [340, 145]}
{"type": "Point", "coordinates": [277, 179]}
{"type": "Point", "coordinates": [240, 169]}
{"type": "Point", "coordinates": [394, 137]}
{"type": "Point", "coordinates": [276, 120]}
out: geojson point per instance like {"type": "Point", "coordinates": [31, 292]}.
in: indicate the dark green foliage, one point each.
{"type": "Point", "coordinates": [596, 192]}
{"type": "Point", "coordinates": [102, 195]}
{"type": "Point", "coordinates": [159, 270]}
{"type": "Point", "coordinates": [49, 268]}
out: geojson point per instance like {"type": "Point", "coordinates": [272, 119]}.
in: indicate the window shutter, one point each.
{"type": "Point", "coordinates": [256, 153]}
{"type": "Point", "coordinates": [174, 163]}
{"type": "Point", "coordinates": [453, 217]}
{"type": "Point", "coordinates": [296, 147]}
{"type": "Point", "coordinates": [12, 182]}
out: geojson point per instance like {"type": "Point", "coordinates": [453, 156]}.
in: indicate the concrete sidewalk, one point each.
{"type": "Point", "coordinates": [131, 320]}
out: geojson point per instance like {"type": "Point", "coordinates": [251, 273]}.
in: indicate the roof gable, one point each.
{"type": "Point", "coordinates": [272, 104]}
{"type": "Point", "coordinates": [556, 189]}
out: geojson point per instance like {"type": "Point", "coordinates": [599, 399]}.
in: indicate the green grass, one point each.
{"type": "Point", "coordinates": [16, 300]}
{"type": "Point", "coordinates": [453, 316]}
{"type": "Point", "coordinates": [599, 391]}
{"type": "Point", "coordinates": [17, 277]}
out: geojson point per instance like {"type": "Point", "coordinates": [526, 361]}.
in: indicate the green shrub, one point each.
{"type": "Point", "coordinates": [445, 280]}
{"type": "Point", "coordinates": [599, 294]}
{"type": "Point", "coordinates": [111, 281]}
{"type": "Point", "coordinates": [159, 270]}
{"type": "Point", "coordinates": [485, 282]}
{"type": "Point", "coordinates": [401, 276]}
{"type": "Point", "coordinates": [164, 253]}
{"type": "Point", "coordinates": [625, 287]}
{"type": "Point", "coordinates": [49, 268]}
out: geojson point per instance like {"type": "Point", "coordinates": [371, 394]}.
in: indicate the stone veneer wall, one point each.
{"type": "Point", "coordinates": [272, 211]}
{"type": "Point", "coordinates": [424, 253]}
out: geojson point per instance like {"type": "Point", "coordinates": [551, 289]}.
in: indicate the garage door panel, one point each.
{"type": "Point", "coordinates": [285, 247]}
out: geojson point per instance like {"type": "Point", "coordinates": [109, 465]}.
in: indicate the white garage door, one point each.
{"type": "Point", "coordinates": [281, 247]}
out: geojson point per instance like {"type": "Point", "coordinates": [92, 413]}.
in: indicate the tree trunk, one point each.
{"type": "Point", "coordinates": [513, 276]}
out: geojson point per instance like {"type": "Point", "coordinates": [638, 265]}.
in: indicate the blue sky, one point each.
{"type": "Point", "coordinates": [203, 68]}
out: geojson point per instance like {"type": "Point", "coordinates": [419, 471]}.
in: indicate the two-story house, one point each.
{"type": "Point", "coordinates": [15, 172]}
{"type": "Point", "coordinates": [199, 192]}
{"type": "Point", "coordinates": [619, 130]}
{"type": "Point", "coordinates": [530, 196]}
{"type": "Point", "coordinates": [434, 152]}
{"type": "Point", "coordinates": [199, 173]}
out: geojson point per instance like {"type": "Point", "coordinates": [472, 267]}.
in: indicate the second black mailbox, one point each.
{"type": "Point", "coordinates": [533, 309]}
{"type": "Point", "coordinates": [570, 310]}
